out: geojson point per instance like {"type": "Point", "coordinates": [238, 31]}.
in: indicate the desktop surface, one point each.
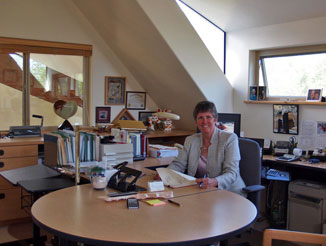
{"type": "Point", "coordinates": [79, 214]}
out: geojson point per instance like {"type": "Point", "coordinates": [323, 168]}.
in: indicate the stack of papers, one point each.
{"type": "Point", "coordinates": [158, 151]}
{"type": "Point", "coordinates": [175, 179]}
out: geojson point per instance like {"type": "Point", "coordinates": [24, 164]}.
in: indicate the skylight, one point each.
{"type": "Point", "coordinates": [211, 35]}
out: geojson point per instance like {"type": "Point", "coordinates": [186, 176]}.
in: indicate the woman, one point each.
{"type": "Point", "coordinates": [212, 156]}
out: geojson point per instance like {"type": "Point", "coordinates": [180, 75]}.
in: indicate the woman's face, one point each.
{"type": "Point", "coordinates": [205, 122]}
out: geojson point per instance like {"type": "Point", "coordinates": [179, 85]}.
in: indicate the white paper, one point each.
{"type": "Point", "coordinates": [175, 179]}
{"type": "Point", "coordinates": [312, 135]}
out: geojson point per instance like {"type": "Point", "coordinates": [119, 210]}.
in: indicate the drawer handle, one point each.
{"type": "Point", "coordinates": [2, 195]}
{"type": "Point", "coordinates": [2, 164]}
{"type": "Point", "coordinates": [1, 152]}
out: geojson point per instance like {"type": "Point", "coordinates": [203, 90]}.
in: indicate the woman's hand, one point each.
{"type": "Point", "coordinates": [205, 183]}
{"type": "Point", "coordinates": [157, 177]}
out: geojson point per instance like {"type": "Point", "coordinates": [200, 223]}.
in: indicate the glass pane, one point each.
{"type": "Point", "coordinates": [53, 78]}
{"type": "Point", "coordinates": [10, 90]}
{"type": "Point", "coordinates": [294, 75]}
{"type": "Point", "coordinates": [212, 36]}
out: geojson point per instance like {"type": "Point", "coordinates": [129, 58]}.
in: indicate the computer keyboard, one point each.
{"type": "Point", "coordinates": [274, 174]}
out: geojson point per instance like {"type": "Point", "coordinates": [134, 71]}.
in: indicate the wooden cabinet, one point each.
{"type": "Point", "coordinates": [15, 153]}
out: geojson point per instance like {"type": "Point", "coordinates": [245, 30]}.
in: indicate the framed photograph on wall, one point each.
{"type": "Point", "coordinates": [103, 114]}
{"type": "Point", "coordinates": [286, 119]}
{"type": "Point", "coordinates": [136, 100]}
{"type": "Point", "coordinates": [115, 90]}
{"type": "Point", "coordinates": [143, 116]}
{"type": "Point", "coordinates": [314, 95]}
{"type": "Point", "coordinates": [253, 90]}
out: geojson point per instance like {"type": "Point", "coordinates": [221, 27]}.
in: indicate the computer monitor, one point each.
{"type": "Point", "coordinates": [230, 121]}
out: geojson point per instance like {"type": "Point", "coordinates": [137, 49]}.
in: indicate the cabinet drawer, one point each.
{"type": "Point", "coordinates": [13, 163]}
{"type": "Point", "coordinates": [10, 205]}
{"type": "Point", "coordinates": [18, 151]}
{"type": "Point", "coordinates": [4, 184]}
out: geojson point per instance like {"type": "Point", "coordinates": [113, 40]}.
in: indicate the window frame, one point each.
{"type": "Point", "coordinates": [256, 55]}
{"type": "Point", "coordinates": [28, 46]}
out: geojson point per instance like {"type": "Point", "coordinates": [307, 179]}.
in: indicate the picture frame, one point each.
{"type": "Point", "coordinates": [253, 90]}
{"type": "Point", "coordinates": [261, 93]}
{"type": "Point", "coordinates": [143, 116]}
{"type": "Point", "coordinates": [135, 100]}
{"type": "Point", "coordinates": [124, 115]}
{"type": "Point", "coordinates": [103, 114]}
{"type": "Point", "coordinates": [115, 90]}
{"type": "Point", "coordinates": [314, 95]}
{"type": "Point", "coordinates": [286, 119]}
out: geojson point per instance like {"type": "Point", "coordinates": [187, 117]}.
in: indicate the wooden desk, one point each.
{"type": "Point", "coordinates": [298, 169]}
{"type": "Point", "coordinates": [78, 214]}
{"type": "Point", "coordinates": [15, 153]}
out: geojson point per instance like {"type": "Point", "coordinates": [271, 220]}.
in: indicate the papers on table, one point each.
{"type": "Point", "coordinates": [175, 179]}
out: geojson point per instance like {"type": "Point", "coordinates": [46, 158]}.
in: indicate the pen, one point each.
{"type": "Point", "coordinates": [201, 183]}
{"type": "Point", "coordinates": [175, 203]}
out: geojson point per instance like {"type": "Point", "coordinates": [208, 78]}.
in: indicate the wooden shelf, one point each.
{"type": "Point", "coordinates": [286, 102]}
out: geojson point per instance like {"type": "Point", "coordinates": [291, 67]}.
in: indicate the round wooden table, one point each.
{"type": "Point", "coordinates": [78, 214]}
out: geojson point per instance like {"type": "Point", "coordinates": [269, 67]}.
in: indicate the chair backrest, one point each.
{"type": "Point", "coordinates": [292, 236]}
{"type": "Point", "coordinates": [250, 166]}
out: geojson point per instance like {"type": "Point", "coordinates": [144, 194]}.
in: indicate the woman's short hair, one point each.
{"type": "Point", "coordinates": [205, 106]}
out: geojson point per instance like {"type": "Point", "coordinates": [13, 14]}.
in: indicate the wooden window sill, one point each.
{"type": "Point", "coordinates": [286, 102]}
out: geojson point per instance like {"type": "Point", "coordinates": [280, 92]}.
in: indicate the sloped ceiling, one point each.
{"type": "Point", "coordinates": [134, 39]}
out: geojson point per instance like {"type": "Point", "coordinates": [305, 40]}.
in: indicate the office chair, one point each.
{"type": "Point", "coordinates": [250, 171]}
{"type": "Point", "coordinates": [292, 236]}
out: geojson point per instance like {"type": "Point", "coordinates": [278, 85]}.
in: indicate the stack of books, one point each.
{"type": "Point", "coordinates": [158, 151]}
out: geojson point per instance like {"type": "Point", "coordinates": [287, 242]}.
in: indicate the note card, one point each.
{"type": "Point", "coordinates": [155, 202]}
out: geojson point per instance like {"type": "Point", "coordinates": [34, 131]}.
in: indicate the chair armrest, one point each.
{"type": "Point", "coordinates": [253, 188]}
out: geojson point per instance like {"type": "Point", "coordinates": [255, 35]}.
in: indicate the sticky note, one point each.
{"type": "Point", "coordinates": [155, 202]}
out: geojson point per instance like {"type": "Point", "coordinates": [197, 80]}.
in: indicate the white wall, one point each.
{"type": "Point", "coordinates": [190, 50]}
{"type": "Point", "coordinates": [257, 119]}
{"type": "Point", "coordinates": [61, 21]}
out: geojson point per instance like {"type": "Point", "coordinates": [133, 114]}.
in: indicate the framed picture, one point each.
{"type": "Point", "coordinates": [314, 95]}
{"type": "Point", "coordinates": [262, 93]}
{"type": "Point", "coordinates": [136, 100]}
{"type": "Point", "coordinates": [103, 114]}
{"type": "Point", "coordinates": [286, 119]}
{"type": "Point", "coordinates": [115, 90]}
{"type": "Point", "coordinates": [253, 90]}
{"type": "Point", "coordinates": [123, 115]}
{"type": "Point", "coordinates": [143, 116]}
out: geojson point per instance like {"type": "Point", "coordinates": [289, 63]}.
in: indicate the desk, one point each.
{"type": "Point", "coordinates": [205, 216]}
{"type": "Point", "coordinates": [298, 169]}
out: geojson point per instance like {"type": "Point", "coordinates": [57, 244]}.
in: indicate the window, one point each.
{"type": "Point", "coordinates": [212, 36]}
{"type": "Point", "coordinates": [289, 72]}
{"type": "Point", "coordinates": [35, 74]}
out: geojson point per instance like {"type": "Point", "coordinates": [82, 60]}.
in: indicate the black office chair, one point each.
{"type": "Point", "coordinates": [250, 171]}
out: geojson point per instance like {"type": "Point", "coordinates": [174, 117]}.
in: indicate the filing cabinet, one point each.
{"type": "Point", "coordinates": [15, 153]}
